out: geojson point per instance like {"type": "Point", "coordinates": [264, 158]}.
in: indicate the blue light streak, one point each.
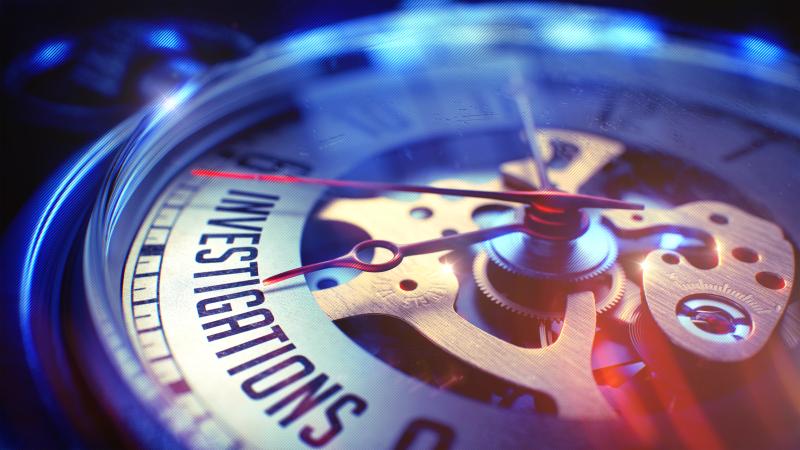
{"type": "Point", "coordinates": [670, 241]}
{"type": "Point", "coordinates": [187, 67]}
{"type": "Point", "coordinates": [51, 54]}
{"type": "Point", "coordinates": [171, 101]}
{"type": "Point", "coordinates": [60, 199]}
{"type": "Point", "coordinates": [760, 50]}
{"type": "Point", "coordinates": [316, 42]}
{"type": "Point", "coordinates": [635, 34]}
{"type": "Point", "coordinates": [50, 213]}
{"type": "Point", "coordinates": [400, 50]}
{"type": "Point", "coordinates": [570, 34]}
{"type": "Point", "coordinates": [631, 33]}
{"type": "Point", "coordinates": [167, 39]}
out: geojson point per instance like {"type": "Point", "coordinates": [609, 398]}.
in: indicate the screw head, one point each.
{"type": "Point", "coordinates": [714, 318]}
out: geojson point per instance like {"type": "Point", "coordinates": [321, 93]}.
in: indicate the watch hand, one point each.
{"type": "Point", "coordinates": [399, 252]}
{"type": "Point", "coordinates": [526, 114]}
{"type": "Point", "coordinates": [553, 199]}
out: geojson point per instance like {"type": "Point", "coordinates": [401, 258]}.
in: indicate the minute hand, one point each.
{"type": "Point", "coordinates": [352, 261]}
{"type": "Point", "coordinates": [551, 198]}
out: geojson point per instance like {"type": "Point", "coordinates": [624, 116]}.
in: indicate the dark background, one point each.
{"type": "Point", "coordinates": [31, 151]}
{"type": "Point", "coordinates": [34, 143]}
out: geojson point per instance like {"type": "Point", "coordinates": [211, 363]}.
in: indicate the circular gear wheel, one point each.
{"type": "Point", "coordinates": [482, 271]}
{"type": "Point", "coordinates": [606, 263]}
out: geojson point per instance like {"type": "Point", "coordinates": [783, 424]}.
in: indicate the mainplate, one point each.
{"type": "Point", "coordinates": [423, 291]}
{"type": "Point", "coordinates": [576, 394]}
{"type": "Point", "coordinates": [753, 275]}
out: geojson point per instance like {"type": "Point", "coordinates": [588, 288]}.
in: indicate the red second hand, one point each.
{"type": "Point", "coordinates": [551, 198]}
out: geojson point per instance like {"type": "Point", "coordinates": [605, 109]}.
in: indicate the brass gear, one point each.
{"type": "Point", "coordinates": [482, 264]}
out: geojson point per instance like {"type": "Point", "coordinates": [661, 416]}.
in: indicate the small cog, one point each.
{"type": "Point", "coordinates": [625, 310]}
{"type": "Point", "coordinates": [616, 289]}
{"type": "Point", "coordinates": [496, 283]}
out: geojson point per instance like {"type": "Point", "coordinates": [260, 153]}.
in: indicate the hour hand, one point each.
{"type": "Point", "coordinates": [352, 260]}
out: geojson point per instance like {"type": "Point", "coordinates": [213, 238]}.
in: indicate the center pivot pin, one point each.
{"type": "Point", "coordinates": [559, 244]}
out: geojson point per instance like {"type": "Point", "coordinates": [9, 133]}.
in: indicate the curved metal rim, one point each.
{"type": "Point", "coordinates": [351, 35]}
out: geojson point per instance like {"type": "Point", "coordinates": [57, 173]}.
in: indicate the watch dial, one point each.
{"type": "Point", "coordinates": [506, 237]}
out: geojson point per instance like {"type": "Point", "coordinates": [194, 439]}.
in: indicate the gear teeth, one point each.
{"type": "Point", "coordinates": [480, 274]}
{"type": "Point", "coordinates": [616, 291]}
{"type": "Point", "coordinates": [479, 270]}
{"type": "Point", "coordinates": [599, 270]}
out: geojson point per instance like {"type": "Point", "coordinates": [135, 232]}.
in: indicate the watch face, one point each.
{"type": "Point", "coordinates": [567, 230]}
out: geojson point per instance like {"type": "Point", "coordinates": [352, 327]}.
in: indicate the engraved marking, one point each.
{"type": "Point", "coordinates": [142, 275]}
{"type": "Point", "coordinates": [144, 302]}
{"type": "Point", "coordinates": [702, 286]}
{"type": "Point", "coordinates": [180, 386]}
{"type": "Point", "coordinates": [160, 358]}
{"type": "Point", "coordinates": [151, 250]}
{"type": "Point", "coordinates": [157, 236]}
{"type": "Point", "coordinates": [147, 330]}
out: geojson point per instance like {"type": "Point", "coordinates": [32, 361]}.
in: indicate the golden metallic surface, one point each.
{"type": "Point", "coordinates": [384, 218]}
{"type": "Point", "coordinates": [594, 153]}
{"type": "Point", "coordinates": [738, 279]}
{"type": "Point", "coordinates": [422, 290]}
{"type": "Point", "coordinates": [790, 325]}
{"type": "Point", "coordinates": [630, 301]}
{"type": "Point", "coordinates": [391, 219]}
{"type": "Point", "coordinates": [480, 270]}
{"type": "Point", "coordinates": [562, 370]}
